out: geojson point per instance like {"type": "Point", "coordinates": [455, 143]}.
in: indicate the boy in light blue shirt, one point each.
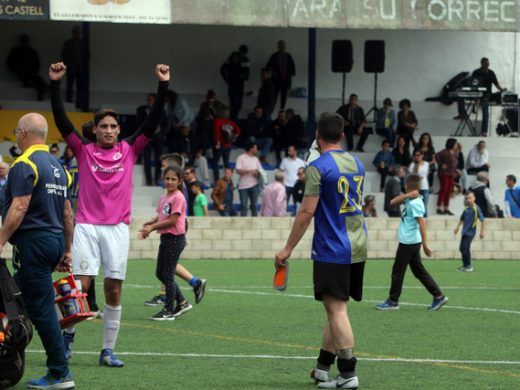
{"type": "Point", "coordinates": [411, 235]}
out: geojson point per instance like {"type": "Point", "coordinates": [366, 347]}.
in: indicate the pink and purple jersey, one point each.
{"type": "Point", "coordinates": [172, 204]}
{"type": "Point", "coordinates": [105, 195]}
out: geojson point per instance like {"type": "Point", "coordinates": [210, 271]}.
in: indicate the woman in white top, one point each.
{"type": "Point", "coordinates": [420, 167]}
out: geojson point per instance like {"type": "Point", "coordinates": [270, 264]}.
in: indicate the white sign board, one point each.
{"type": "Point", "coordinates": [116, 11]}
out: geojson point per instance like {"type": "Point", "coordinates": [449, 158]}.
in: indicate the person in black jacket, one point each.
{"type": "Point", "coordinates": [234, 75]}
{"type": "Point", "coordinates": [282, 65]}
{"type": "Point", "coordinates": [259, 131]}
{"type": "Point", "coordinates": [24, 62]}
{"type": "Point", "coordinates": [266, 93]}
{"type": "Point", "coordinates": [393, 189]}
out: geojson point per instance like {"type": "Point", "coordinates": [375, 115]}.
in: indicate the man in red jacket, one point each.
{"type": "Point", "coordinates": [226, 133]}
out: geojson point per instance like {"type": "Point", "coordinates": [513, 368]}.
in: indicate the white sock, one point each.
{"type": "Point", "coordinates": [111, 322]}
{"type": "Point", "coordinates": [70, 330]}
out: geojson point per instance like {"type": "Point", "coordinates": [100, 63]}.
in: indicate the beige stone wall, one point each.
{"type": "Point", "coordinates": [260, 238]}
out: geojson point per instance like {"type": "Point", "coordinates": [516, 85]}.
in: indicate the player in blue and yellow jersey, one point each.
{"type": "Point", "coordinates": [333, 193]}
{"type": "Point", "coordinates": [38, 222]}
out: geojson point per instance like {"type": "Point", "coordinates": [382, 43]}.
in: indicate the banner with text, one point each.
{"type": "Point", "coordinates": [471, 15]}
{"type": "Point", "coordinates": [117, 11]}
{"type": "Point", "coordinates": [24, 9]}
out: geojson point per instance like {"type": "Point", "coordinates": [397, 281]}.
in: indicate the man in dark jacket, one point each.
{"type": "Point", "coordinates": [267, 93]}
{"type": "Point", "coordinates": [282, 65]}
{"type": "Point", "coordinates": [393, 189]}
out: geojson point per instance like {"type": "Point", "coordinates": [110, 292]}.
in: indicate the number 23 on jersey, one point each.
{"type": "Point", "coordinates": [353, 203]}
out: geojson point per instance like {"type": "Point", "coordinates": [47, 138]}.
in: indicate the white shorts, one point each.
{"type": "Point", "coordinates": [96, 245]}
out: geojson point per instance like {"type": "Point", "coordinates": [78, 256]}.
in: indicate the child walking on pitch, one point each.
{"type": "Point", "coordinates": [412, 234]}
{"type": "Point", "coordinates": [170, 223]}
{"type": "Point", "coordinates": [468, 220]}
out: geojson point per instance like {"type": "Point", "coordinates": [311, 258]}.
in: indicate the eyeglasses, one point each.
{"type": "Point", "coordinates": [106, 126]}
{"type": "Point", "coordinates": [17, 131]}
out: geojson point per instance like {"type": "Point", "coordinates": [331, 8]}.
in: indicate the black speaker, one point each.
{"type": "Point", "coordinates": [374, 56]}
{"type": "Point", "coordinates": [341, 59]}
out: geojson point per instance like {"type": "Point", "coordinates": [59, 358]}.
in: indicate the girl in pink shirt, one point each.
{"type": "Point", "coordinates": [170, 223]}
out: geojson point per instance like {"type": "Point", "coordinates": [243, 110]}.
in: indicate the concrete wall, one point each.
{"type": "Point", "coordinates": [261, 238]}
{"type": "Point", "coordinates": [418, 63]}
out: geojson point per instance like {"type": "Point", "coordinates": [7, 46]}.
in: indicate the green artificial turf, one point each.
{"type": "Point", "coordinates": [246, 335]}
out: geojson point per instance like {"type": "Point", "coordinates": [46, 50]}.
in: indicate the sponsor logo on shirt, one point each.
{"type": "Point", "coordinates": [117, 156]}
{"type": "Point", "coordinates": [113, 169]}
{"type": "Point", "coordinates": [57, 173]}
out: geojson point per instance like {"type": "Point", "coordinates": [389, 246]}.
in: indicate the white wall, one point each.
{"type": "Point", "coordinates": [418, 63]}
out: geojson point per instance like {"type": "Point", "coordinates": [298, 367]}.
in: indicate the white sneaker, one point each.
{"type": "Point", "coordinates": [340, 383]}
{"type": "Point", "coordinates": [319, 375]}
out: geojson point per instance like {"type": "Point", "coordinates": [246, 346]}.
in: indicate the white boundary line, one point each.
{"type": "Point", "coordinates": [262, 293]}
{"type": "Point", "coordinates": [281, 357]}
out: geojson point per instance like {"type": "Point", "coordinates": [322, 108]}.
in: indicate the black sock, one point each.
{"type": "Point", "coordinates": [347, 367]}
{"type": "Point", "coordinates": [325, 360]}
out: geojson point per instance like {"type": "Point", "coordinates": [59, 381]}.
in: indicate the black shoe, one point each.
{"type": "Point", "coordinates": [181, 309]}
{"type": "Point", "coordinates": [440, 212]}
{"type": "Point", "coordinates": [200, 290]}
{"type": "Point", "coordinates": [163, 315]}
{"type": "Point", "coordinates": [448, 212]}
{"type": "Point", "coordinates": [156, 301]}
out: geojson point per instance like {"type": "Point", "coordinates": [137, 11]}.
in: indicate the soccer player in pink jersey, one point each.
{"type": "Point", "coordinates": [101, 235]}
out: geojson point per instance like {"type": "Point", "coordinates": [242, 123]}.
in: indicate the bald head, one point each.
{"type": "Point", "coordinates": [4, 168]}
{"type": "Point", "coordinates": [35, 125]}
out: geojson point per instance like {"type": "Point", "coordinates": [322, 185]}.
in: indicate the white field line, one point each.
{"type": "Point", "coordinates": [140, 286]}
{"type": "Point", "coordinates": [262, 293]}
{"type": "Point", "coordinates": [221, 356]}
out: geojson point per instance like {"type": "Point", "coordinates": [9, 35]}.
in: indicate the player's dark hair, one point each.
{"type": "Point", "coordinates": [511, 177]}
{"type": "Point", "coordinates": [330, 127]}
{"type": "Point", "coordinates": [104, 112]}
{"type": "Point", "coordinates": [403, 102]}
{"type": "Point", "coordinates": [413, 182]}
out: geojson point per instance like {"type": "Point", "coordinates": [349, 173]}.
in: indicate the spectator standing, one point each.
{"type": "Point", "coordinates": [234, 74]}
{"type": "Point", "coordinates": [226, 133]}
{"type": "Point", "coordinates": [222, 194]}
{"type": "Point", "coordinates": [512, 198]}
{"type": "Point", "coordinates": [259, 131]}
{"type": "Point", "coordinates": [425, 145]}
{"type": "Point", "coordinates": [204, 121]}
{"type": "Point", "coordinates": [274, 198]}
{"type": "Point", "coordinates": [248, 169]}
{"type": "Point", "coordinates": [383, 160]}
{"type": "Point", "coordinates": [386, 122]}
{"type": "Point", "coordinates": [39, 225]}
{"type": "Point", "coordinates": [483, 196]}
{"type": "Point", "coordinates": [468, 220]}
{"type": "Point", "coordinates": [200, 203]}
{"type": "Point", "coordinates": [24, 62]}
{"type": "Point", "coordinates": [420, 168]}
{"type": "Point", "coordinates": [154, 149]}
{"type": "Point", "coordinates": [72, 57]}
{"type": "Point", "coordinates": [243, 50]}
{"type": "Point", "coordinates": [299, 190]}
{"type": "Point", "coordinates": [290, 166]}
{"type": "Point", "coordinates": [447, 161]}
{"type": "Point", "coordinates": [461, 179]}
{"type": "Point", "coordinates": [178, 113]}
{"type": "Point", "coordinates": [266, 94]}
{"type": "Point", "coordinates": [406, 121]}
{"type": "Point", "coordinates": [279, 127]}
{"type": "Point", "coordinates": [392, 190]}
{"type": "Point", "coordinates": [354, 118]}
{"type": "Point", "coordinates": [369, 207]}
{"type": "Point", "coordinates": [478, 159]}
{"type": "Point", "coordinates": [282, 66]}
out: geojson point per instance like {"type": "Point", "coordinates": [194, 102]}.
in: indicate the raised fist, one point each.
{"type": "Point", "coordinates": [57, 71]}
{"type": "Point", "coordinates": [163, 72]}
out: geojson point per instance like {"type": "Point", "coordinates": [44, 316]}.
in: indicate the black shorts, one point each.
{"type": "Point", "coordinates": [338, 280]}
